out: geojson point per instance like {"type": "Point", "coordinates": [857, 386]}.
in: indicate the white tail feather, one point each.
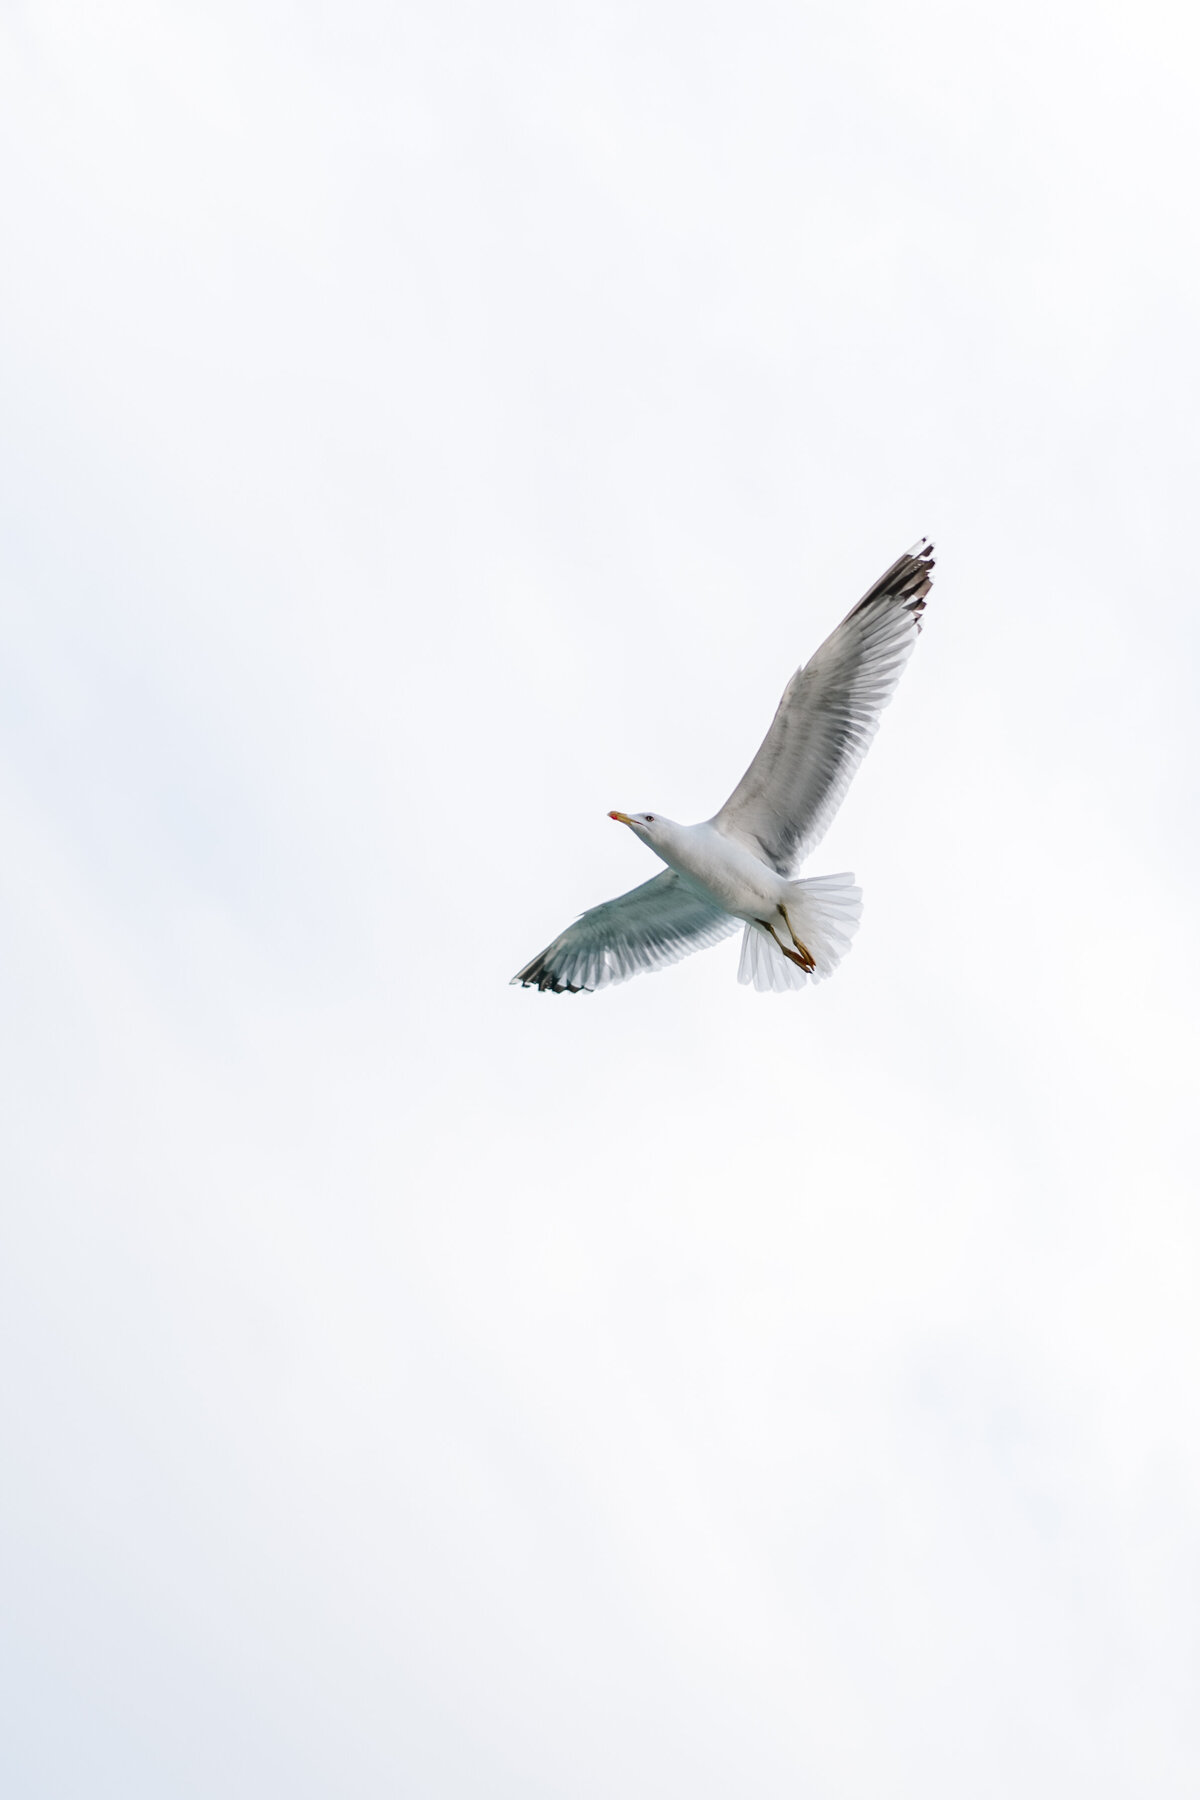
{"type": "Point", "coordinates": [825, 912]}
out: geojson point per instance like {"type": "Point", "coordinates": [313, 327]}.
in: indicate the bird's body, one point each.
{"type": "Point", "coordinates": [719, 868]}
{"type": "Point", "coordinates": [739, 866]}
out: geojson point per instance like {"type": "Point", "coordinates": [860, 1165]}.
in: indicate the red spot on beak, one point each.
{"type": "Point", "coordinates": [614, 815]}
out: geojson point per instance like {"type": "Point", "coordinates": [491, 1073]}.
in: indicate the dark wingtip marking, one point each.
{"type": "Point", "coordinates": [908, 580]}
{"type": "Point", "coordinates": [538, 974]}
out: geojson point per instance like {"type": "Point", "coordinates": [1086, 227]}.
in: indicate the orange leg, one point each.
{"type": "Point", "coordinates": [790, 954]}
{"type": "Point", "coordinates": [807, 960]}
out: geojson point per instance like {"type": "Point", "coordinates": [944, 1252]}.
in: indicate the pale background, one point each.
{"type": "Point", "coordinates": [424, 428]}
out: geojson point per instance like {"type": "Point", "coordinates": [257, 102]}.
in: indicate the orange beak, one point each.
{"type": "Point", "coordinates": [623, 817]}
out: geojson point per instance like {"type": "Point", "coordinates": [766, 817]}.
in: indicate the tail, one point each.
{"type": "Point", "coordinates": [825, 913]}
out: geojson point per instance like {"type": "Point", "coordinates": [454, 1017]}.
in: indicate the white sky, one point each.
{"type": "Point", "coordinates": [423, 429]}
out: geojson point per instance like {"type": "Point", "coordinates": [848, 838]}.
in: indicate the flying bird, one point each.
{"type": "Point", "coordinates": [739, 867]}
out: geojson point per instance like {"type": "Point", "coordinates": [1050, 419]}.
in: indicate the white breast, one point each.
{"type": "Point", "coordinates": [725, 871]}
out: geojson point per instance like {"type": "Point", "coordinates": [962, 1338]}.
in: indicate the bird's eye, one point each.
{"type": "Point", "coordinates": [649, 818]}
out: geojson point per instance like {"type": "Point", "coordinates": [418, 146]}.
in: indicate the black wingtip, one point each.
{"type": "Point", "coordinates": [538, 974]}
{"type": "Point", "coordinates": [909, 580]}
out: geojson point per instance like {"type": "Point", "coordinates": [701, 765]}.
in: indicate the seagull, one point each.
{"type": "Point", "coordinates": [739, 867]}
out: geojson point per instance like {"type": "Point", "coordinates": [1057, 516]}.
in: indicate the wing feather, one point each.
{"type": "Point", "coordinates": [652, 925]}
{"type": "Point", "coordinates": [829, 713]}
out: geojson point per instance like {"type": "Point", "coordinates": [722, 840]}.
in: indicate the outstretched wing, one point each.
{"type": "Point", "coordinates": [647, 928]}
{"type": "Point", "coordinates": [829, 713]}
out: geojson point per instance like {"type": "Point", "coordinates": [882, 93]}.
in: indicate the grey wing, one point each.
{"type": "Point", "coordinates": [647, 928]}
{"type": "Point", "coordinates": [829, 713]}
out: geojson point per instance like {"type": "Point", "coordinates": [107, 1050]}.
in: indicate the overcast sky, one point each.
{"type": "Point", "coordinates": [426, 427]}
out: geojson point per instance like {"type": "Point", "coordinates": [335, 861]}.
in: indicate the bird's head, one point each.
{"type": "Point", "coordinates": [643, 825]}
